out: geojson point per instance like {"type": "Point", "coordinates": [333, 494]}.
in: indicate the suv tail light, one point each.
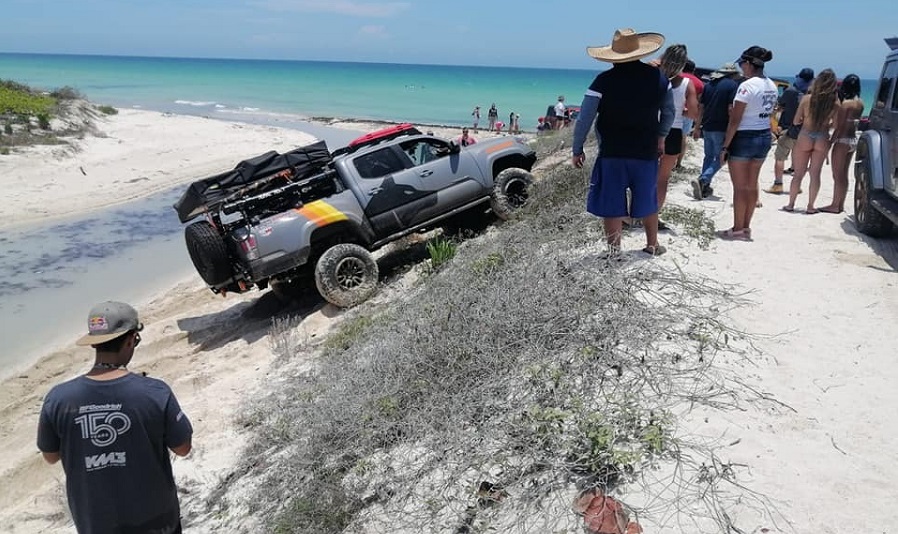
{"type": "Point", "coordinates": [248, 246]}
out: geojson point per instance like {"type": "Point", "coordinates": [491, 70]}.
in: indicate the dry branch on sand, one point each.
{"type": "Point", "coordinates": [525, 371]}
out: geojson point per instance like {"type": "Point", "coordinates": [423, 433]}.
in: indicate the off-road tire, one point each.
{"type": "Point", "coordinates": [867, 219]}
{"type": "Point", "coordinates": [346, 275]}
{"type": "Point", "coordinates": [208, 253]}
{"type": "Point", "coordinates": [510, 192]}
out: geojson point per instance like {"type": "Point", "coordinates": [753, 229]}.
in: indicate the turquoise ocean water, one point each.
{"type": "Point", "coordinates": [425, 94]}
{"type": "Point", "coordinates": [264, 91]}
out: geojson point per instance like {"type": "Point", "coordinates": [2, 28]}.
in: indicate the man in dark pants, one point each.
{"type": "Point", "coordinates": [113, 431]}
{"type": "Point", "coordinates": [632, 106]}
{"type": "Point", "coordinates": [714, 116]}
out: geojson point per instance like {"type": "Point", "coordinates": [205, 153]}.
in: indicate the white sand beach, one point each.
{"type": "Point", "coordinates": [824, 300]}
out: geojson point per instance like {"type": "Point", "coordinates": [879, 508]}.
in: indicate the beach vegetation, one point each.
{"type": "Point", "coordinates": [30, 114]}
{"type": "Point", "coordinates": [107, 110]}
{"type": "Point", "coordinates": [440, 251]}
{"type": "Point", "coordinates": [486, 399]}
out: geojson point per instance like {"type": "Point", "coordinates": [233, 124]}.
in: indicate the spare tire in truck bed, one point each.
{"type": "Point", "coordinates": [208, 253]}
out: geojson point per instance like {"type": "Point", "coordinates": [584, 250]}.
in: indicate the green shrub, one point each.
{"type": "Point", "coordinates": [24, 102]}
{"type": "Point", "coordinates": [441, 251]}
{"type": "Point", "coordinates": [43, 121]}
{"type": "Point", "coordinates": [66, 93]}
{"type": "Point", "coordinates": [7, 128]}
{"type": "Point", "coordinates": [107, 110]}
{"type": "Point", "coordinates": [4, 151]}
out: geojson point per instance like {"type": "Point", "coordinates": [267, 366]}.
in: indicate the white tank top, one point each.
{"type": "Point", "coordinates": [679, 98]}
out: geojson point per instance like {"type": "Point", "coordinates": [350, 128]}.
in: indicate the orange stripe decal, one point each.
{"type": "Point", "coordinates": [500, 146]}
{"type": "Point", "coordinates": [321, 213]}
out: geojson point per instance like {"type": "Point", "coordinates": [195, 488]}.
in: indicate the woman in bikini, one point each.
{"type": "Point", "coordinates": [815, 114]}
{"type": "Point", "coordinates": [844, 139]}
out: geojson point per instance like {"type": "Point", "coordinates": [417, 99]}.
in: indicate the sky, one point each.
{"type": "Point", "coordinates": [846, 36]}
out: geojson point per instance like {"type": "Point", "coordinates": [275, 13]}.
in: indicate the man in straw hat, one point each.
{"type": "Point", "coordinates": [113, 429]}
{"type": "Point", "coordinates": [714, 118]}
{"type": "Point", "coordinates": [632, 106]}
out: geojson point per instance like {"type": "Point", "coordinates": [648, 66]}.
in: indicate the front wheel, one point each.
{"type": "Point", "coordinates": [867, 218]}
{"type": "Point", "coordinates": [346, 275]}
{"type": "Point", "coordinates": [511, 189]}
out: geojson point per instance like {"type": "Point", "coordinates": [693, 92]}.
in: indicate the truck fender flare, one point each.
{"type": "Point", "coordinates": [869, 152]}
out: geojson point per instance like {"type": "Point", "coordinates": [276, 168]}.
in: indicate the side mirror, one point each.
{"type": "Point", "coordinates": [454, 148]}
{"type": "Point", "coordinates": [863, 124]}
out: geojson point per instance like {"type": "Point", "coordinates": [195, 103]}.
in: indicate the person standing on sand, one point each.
{"type": "Point", "coordinates": [689, 119]}
{"type": "Point", "coordinates": [560, 115]}
{"type": "Point", "coordinates": [685, 107]}
{"type": "Point", "coordinates": [815, 115]}
{"type": "Point", "coordinates": [714, 116]}
{"type": "Point", "coordinates": [632, 107]}
{"type": "Point", "coordinates": [748, 138]}
{"type": "Point", "coordinates": [788, 105]}
{"type": "Point", "coordinates": [492, 116]}
{"type": "Point", "coordinates": [844, 139]}
{"type": "Point", "coordinates": [113, 429]}
{"type": "Point", "coordinates": [476, 115]}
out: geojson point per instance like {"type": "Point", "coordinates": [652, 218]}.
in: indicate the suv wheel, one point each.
{"type": "Point", "coordinates": [208, 253]}
{"type": "Point", "coordinates": [346, 275]}
{"type": "Point", "coordinates": [867, 219]}
{"type": "Point", "coordinates": [510, 192]}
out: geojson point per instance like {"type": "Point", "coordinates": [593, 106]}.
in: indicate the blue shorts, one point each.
{"type": "Point", "coordinates": [750, 144]}
{"type": "Point", "coordinates": [611, 177]}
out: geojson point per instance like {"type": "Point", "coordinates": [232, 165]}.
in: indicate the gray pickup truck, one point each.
{"type": "Point", "coordinates": [311, 217]}
{"type": "Point", "coordinates": [876, 159]}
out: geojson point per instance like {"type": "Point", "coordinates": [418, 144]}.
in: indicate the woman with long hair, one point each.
{"type": "Point", "coordinates": [844, 139]}
{"type": "Point", "coordinates": [748, 138]}
{"type": "Point", "coordinates": [815, 114]}
{"type": "Point", "coordinates": [685, 99]}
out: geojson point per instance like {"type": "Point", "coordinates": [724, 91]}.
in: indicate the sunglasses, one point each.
{"type": "Point", "coordinates": [136, 338]}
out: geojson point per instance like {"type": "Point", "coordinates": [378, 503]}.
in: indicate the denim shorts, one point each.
{"type": "Point", "coordinates": [610, 180]}
{"type": "Point", "coordinates": [750, 144]}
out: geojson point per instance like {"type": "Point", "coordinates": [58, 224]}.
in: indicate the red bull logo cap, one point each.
{"type": "Point", "coordinates": [108, 321]}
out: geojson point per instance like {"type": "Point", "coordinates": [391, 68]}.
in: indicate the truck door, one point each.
{"type": "Point", "coordinates": [884, 118]}
{"type": "Point", "coordinates": [386, 187]}
{"type": "Point", "coordinates": [448, 178]}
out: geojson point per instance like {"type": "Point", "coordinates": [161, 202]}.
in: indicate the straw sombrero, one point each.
{"type": "Point", "coordinates": [627, 45]}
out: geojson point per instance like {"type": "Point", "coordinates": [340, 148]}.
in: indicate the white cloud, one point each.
{"type": "Point", "coordinates": [374, 31]}
{"type": "Point", "coordinates": [342, 7]}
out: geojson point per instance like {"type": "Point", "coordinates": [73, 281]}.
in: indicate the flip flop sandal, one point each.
{"type": "Point", "coordinates": [655, 250]}
{"type": "Point", "coordinates": [787, 209]}
{"type": "Point", "coordinates": [733, 235]}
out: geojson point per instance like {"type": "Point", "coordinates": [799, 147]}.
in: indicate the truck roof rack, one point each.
{"type": "Point", "coordinates": [377, 136]}
{"type": "Point", "coordinates": [892, 42]}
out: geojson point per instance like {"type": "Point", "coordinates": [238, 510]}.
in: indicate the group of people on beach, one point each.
{"type": "Point", "coordinates": [643, 112]}
{"type": "Point", "coordinates": [493, 122]}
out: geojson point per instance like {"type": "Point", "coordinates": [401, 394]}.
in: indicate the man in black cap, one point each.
{"type": "Point", "coordinates": [788, 105]}
{"type": "Point", "coordinates": [113, 429]}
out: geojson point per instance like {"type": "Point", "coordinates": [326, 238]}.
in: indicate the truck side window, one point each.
{"type": "Point", "coordinates": [422, 151]}
{"type": "Point", "coordinates": [885, 86]}
{"type": "Point", "coordinates": [378, 164]}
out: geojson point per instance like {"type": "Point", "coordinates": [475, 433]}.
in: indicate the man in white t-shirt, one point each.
{"type": "Point", "coordinates": [559, 112]}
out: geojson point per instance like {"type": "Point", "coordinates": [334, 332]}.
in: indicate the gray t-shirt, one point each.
{"type": "Point", "coordinates": [113, 437]}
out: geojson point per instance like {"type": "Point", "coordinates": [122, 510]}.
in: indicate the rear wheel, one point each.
{"type": "Point", "coordinates": [510, 192]}
{"type": "Point", "coordinates": [208, 253]}
{"type": "Point", "coordinates": [867, 218]}
{"type": "Point", "coordinates": [346, 275]}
